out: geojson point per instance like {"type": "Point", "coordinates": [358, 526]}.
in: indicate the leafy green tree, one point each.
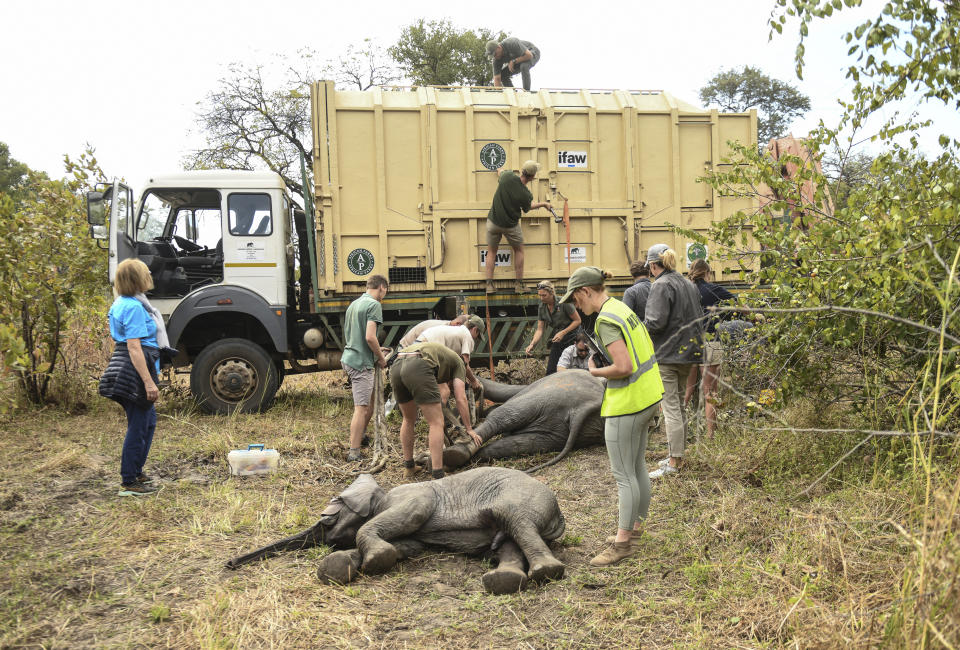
{"type": "Point", "coordinates": [48, 264]}
{"type": "Point", "coordinates": [13, 173]}
{"type": "Point", "coordinates": [865, 302]}
{"type": "Point", "coordinates": [439, 53]}
{"type": "Point", "coordinates": [847, 173]}
{"type": "Point", "coordinates": [250, 123]}
{"type": "Point", "coordinates": [777, 102]}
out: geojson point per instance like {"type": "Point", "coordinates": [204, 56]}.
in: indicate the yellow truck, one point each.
{"type": "Point", "coordinates": [402, 182]}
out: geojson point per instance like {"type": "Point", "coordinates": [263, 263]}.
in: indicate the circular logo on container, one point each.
{"type": "Point", "coordinates": [493, 156]}
{"type": "Point", "coordinates": [360, 261]}
{"type": "Point", "coordinates": [696, 251]}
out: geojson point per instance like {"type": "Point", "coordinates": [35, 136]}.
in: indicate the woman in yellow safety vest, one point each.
{"type": "Point", "coordinates": [632, 393]}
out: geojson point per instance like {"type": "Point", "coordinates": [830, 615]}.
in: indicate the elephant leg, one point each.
{"type": "Point", "coordinates": [543, 564]}
{"type": "Point", "coordinates": [339, 567]}
{"type": "Point", "coordinates": [396, 522]}
{"type": "Point", "coordinates": [509, 577]}
{"type": "Point", "coordinates": [521, 444]}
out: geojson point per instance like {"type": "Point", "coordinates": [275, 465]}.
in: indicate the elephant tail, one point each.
{"type": "Point", "coordinates": [571, 441]}
{"type": "Point", "coordinates": [306, 539]}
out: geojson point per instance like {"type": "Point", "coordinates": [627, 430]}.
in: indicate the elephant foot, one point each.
{"type": "Point", "coordinates": [458, 455]}
{"type": "Point", "coordinates": [339, 567]}
{"type": "Point", "coordinates": [379, 557]}
{"type": "Point", "coordinates": [504, 580]}
{"type": "Point", "coordinates": [546, 568]}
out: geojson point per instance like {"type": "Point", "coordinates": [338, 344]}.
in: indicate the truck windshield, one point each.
{"type": "Point", "coordinates": [154, 212]}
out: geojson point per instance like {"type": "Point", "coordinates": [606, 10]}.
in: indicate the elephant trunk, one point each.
{"type": "Point", "coordinates": [306, 539]}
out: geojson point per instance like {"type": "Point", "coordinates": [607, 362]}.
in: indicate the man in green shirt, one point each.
{"type": "Point", "coordinates": [510, 56]}
{"type": "Point", "coordinates": [511, 199]}
{"type": "Point", "coordinates": [361, 352]}
{"type": "Point", "coordinates": [416, 377]}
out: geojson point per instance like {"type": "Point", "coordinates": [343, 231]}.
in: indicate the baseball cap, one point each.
{"type": "Point", "coordinates": [585, 276]}
{"type": "Point", "coordinates": [653, 255]}
{"type": "Point", "coordinates": [492, 48]}
{"type": "Point", "coordinates": [530, 168]}
{"type": "Point", "coordinates": [476, 321]}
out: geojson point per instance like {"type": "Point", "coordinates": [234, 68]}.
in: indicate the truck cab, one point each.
{"type": "Point", "coordinates": [217, 244]}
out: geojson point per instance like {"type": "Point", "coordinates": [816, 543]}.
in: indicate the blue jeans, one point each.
{"type": "Point", "coordinates": [141, 423]}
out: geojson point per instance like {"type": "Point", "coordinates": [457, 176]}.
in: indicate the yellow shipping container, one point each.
{"type": "Point", "coordinates": [404, 179]}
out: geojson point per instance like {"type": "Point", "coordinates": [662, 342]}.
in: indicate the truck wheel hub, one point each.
{"type": "Point", "coordinates": [234, 380]}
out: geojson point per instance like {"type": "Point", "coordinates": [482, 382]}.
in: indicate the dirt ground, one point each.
{"type": "Point", "coordinates": [730, 557]}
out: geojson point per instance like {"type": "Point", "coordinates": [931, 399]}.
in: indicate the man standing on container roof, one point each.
{"type": "Point", "coordinates": [361, 352]}
{"type": "Point", "coordinates": [510, 56]}
{"type": "Point", "coordinates": [511, 199]}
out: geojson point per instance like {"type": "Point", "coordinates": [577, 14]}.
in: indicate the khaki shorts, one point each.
{"type": "Point", "coordinates": [361, 383]}
{"type": "Point", "coordinates": [712, 353]}
{"type": "Point", "coordinates": [495, 233]}
{"type": "Point", "coordinates": [413, 379]}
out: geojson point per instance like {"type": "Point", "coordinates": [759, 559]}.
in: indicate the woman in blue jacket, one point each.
{"type": "Point", "coordinates": [131, 376]}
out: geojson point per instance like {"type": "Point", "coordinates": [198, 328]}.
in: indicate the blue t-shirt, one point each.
{"type": "Point", "coordinates": [130, 320]}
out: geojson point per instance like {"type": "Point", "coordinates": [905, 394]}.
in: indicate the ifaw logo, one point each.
{"type": "Point", "coordinates": [571, 159]}
{"type": "Point", "coordinates": [504, 258]}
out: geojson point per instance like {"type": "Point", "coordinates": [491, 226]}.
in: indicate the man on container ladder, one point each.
{"type": "Point", "coordinates": [511, 199]}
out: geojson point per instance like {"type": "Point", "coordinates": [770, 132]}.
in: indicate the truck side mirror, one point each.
{"type": "Point", "coordinates": [96, 210]}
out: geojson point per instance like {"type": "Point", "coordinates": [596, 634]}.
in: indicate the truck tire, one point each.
{"type": "Point", "coordinates": [233, 375]}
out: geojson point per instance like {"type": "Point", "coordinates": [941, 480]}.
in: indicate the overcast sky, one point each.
{"type": "Point", "coordinates": [126, 76]}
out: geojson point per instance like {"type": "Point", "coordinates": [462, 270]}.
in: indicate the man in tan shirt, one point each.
{"type": "Point", "coordinates": [461, 339]}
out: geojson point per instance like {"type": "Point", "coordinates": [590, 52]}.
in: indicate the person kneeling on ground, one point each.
{"type": "Point", "coordinates": [415, 378]}
{"type": "Point", "coordinates": [577, 356]}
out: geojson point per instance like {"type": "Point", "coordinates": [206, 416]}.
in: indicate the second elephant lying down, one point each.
{"type": "Point", "coordinates": [489, 509]}
{"type": "Point", "coordinates": [557, 413]}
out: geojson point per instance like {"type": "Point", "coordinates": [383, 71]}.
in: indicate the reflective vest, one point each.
{"type": "Point", "coordinates": [643, 387]}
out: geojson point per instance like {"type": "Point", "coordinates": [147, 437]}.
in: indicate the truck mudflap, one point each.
{"type": "Point", "coordinates": [226, 299]}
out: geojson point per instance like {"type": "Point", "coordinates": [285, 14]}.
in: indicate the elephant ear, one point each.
{"type": "Point", "coordinates": [358, 498]}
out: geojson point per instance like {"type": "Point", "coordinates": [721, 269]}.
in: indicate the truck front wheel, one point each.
{"type": "Point", "coordinates": [234, 375]}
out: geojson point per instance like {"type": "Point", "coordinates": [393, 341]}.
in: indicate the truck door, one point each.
{"type": "Point", "coordinates": [119, 198]}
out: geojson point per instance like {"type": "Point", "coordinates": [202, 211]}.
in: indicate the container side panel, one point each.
{"type": "Point", "coordinates": [610, 163]}
{"type": "Point", "coordinates": [655, 162]}
{"type": "Point", "coordinates": [695, 161]}
{"type": "Point", "coordinates": [450, 158]}
{"type": "Point", "coordinates": [733, 127]}
{"type": "Point", "coordinates": [403, 162]}
{"type": "Point", "coordinates": [358, 171]}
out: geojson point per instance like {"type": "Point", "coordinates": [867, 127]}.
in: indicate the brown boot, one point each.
{"type": "Point", "coordinates": [490, 287]}
{"type": "Point", "coordinates": [635, 535]}
{"type": "Point", "coordinates": [613, 554]}
{"type": "Point", "coordinates": [410, 473]}
{"type": "Point", "coordinates": [519, 288]}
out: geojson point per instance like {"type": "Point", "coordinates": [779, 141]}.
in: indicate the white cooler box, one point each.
{"type": "Point", "coordinates": [253, 460]}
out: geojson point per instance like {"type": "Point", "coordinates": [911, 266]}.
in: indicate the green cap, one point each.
{"type": "Point", "coordinates": [585, 276]}
{"type": "Point", "coordinates": [476, 321]}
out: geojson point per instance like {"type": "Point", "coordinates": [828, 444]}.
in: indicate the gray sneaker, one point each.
{"type": "Point", "coordinates": [354, 456]}
{"type": "Point", "coordinates": [666, 470]}
{"type": "Point", "coordinates": [136, 490]}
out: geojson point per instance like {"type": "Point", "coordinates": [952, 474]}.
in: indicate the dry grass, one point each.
{"type": "Point", "coordinates": [732, 557]}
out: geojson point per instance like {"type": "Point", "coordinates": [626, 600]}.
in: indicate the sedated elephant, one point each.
{"type": "Point", "coordinates": [556, 413]}
{"type": "Point", "coordinates": [489, 509]}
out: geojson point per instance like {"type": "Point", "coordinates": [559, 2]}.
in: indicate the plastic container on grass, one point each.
{"type": "Point", "coordinates": [253, 460]}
